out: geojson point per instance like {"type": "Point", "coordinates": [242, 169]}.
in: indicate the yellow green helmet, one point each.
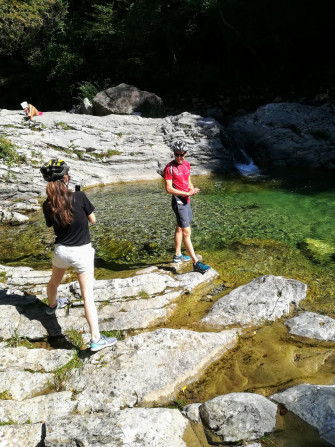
{"type": "Point", "coordinates": [54, 169]}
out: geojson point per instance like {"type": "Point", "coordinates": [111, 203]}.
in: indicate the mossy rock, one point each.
{"type": "Point", "coordinates": [112, 249]}
{"type": "Point", "coordinates": [319, 251]}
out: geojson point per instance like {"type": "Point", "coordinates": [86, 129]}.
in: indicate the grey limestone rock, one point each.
{"type": "Point", "coordinates": [127, 99]}
{"type": "Point", "coordinates": [312, 325]}
{"type": "Point", "coordinates": [37, 409]}
{"type": "Point", "coordinates": [315, 404]}
{"type": "Point", "coordinates": [33, 359]}
{"type": "Point", "coordinates": [22, 385]}
{"type": "Point", "coordinates": [26, 435]}
{"type": "Point", "coordinates": [143, 427]}
{"type": "Point", "coordinates": [286, 134]}
{"type": "Point", "coordinates": [170, 358]}
{"type": "Point", "coordinates": [104, 150]}
{"type": "Point", "coordinates": [192, 412]}
{"type": "Point", "coordinates": [265, 298]}
{"type": "Point", "coordinates": [238, 416]}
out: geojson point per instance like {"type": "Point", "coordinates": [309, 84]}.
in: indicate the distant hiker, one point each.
{"type": "Point", "coordinates": [69, 213]}
{"type": "Point", "coordinates": [178, 183]}
{"type": "Point", "coordinates": [30, 110]}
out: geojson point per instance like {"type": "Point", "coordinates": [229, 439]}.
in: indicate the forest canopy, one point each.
{"type": "Point", "coordinates": [53, 52]}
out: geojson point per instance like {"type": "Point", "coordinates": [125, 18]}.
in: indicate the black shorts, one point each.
{"type": "Point", "coordinates": [183, 213]}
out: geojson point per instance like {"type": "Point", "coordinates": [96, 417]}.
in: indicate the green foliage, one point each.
{"type": "Point", "coordinates": [177, 49]}
{"type": "Point", "coordinates": [3, 276]}
{"type": "Point", "coordinates": [63, 373]}
{"type": "Point", "coordinates": [87, 90]}
{"type": "Point", "coordinates": [9, 422]}
{"type": "Point", "coordinates": [75, 338]}
{"type": "Point", "coordinates": [102, 24]}
{"type": "Point", "coordinates": [5, 395]}
{"type": "Point", "coordinates": [80, 154]}
{"type": "Point", "coordinates": [107, 154]}
{"type": "Point", "coordinates": [117, 334]}
{"type": "Point", "coordinates": [144, 295]}
{"type": "Point", "coordinates": [64, 126]}
{"type": "Point", "coordinates": [16, 341]}
{"type": "Point", "coordinates": [22, 20]}
{"type": "Point", "coordinates": [8, 152]}
{"type": "Point", "coordinates": [179, 403]}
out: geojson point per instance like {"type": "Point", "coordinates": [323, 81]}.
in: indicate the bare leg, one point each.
{"type": "Point", "coordinates": [86, 287]}
{"type": "Point", "coordinates": [178, 237]}
{"type": "Point", "coordinates": [186, 232]}
{"type": "Point", "coordinates": [56, 278]}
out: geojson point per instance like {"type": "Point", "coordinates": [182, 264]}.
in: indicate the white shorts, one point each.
{"type": "Point", "coordinates": [81, 258]}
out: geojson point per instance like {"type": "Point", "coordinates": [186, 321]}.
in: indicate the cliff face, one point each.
{"type": "Point", "coordinates": [287, 135]}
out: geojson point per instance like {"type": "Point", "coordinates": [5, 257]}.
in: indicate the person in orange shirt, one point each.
{"type": "Point", "coordinates": [30, 110]}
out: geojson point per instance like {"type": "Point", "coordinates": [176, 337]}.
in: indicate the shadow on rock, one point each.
{"type": "Point", "coordinates": [33, 309]}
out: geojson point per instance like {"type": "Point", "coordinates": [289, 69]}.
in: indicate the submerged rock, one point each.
{"type": "Point", "coordinates": [318, 251]}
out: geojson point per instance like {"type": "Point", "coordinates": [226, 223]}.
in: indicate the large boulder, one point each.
{"type": "Point", "coordinates": [263, 299]}
{"type": "Point", "coordinates": [126, 100]}
{"type": "Point", "coordinates": [314, 404]}
{"type": "Point", "coordinates": [312, 325]}
{"type": "Point", "coordinates": [237, 416]}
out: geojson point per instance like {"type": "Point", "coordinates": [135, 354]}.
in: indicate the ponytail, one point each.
{"type": "Point", "coordinates": [60, 203]}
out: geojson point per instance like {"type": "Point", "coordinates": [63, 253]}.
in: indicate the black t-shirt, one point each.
{"type": "Point", "coordinates": [77, 233]}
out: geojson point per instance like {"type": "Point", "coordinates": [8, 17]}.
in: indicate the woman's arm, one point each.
{"type": "Point", "coordinates": [91, 218]}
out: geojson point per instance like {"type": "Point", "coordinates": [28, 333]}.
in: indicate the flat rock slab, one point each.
{"type": "Point", "coordinates": [312, 325]}
{"type": "Point", "coordinates": [104, 150]}
{"type": "Point", "coordinates": [27, 435]}
{"type": "Point", "coordinates": [137, 302]}
{"type": "Point", "coordinates": [22, 385]}
{"type": "Point", "coordinates": [315, 404]}
{"type": "Point", "coordinates": [37, 409]}
{"type": "Point", "coordinates": [144, 427]}
{"type": "Point", "coordinates": [148, 368]}
{"type": "Point", "coordinates": [238, 416]}
{"type": "Point", "coordinates": [33, 359]}
{"type": "Point", "coordinates": [265, 298]}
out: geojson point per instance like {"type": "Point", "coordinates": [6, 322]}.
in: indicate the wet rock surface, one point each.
{"type": "Point", "coordinates": [314, 404]}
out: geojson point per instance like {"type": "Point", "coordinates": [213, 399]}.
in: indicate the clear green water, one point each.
{"type": "Point", "coordinates": [243, 227]}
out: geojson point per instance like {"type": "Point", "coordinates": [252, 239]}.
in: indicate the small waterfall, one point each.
{"type": "Point", "coordinates": [245, 165]}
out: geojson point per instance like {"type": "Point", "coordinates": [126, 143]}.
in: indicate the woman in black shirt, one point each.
{"type": "Point", "coordinates": [69, 214]}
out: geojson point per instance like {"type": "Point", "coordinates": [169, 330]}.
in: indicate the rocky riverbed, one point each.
{"type": "Point", "coordinates": [55, 392]}
{"type": "Point", "coordinates": [118, 396]}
